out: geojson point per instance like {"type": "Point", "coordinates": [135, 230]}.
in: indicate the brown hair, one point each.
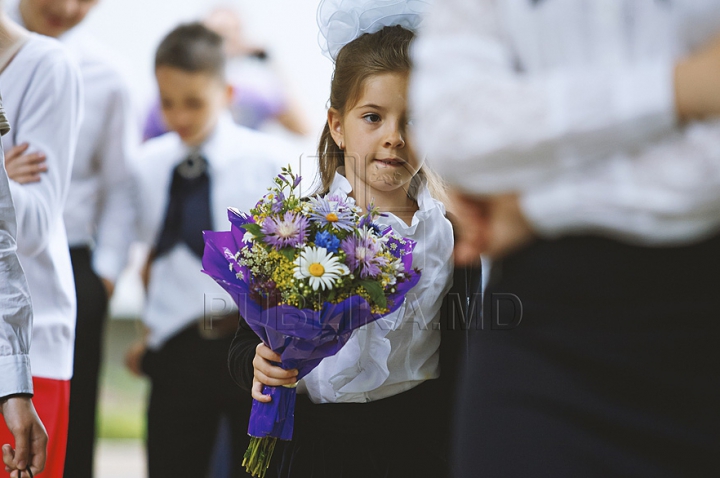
{"type": "Point", "coordinates": [386, 51]}
{"type": "Point", "coordinates": [193, 48]}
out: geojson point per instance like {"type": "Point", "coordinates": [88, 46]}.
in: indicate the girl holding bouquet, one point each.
{"type": "Point", "coordinates": [376, 408]}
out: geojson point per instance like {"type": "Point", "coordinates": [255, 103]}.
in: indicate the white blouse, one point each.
{"type": "Point", "coordinates": [571, 102]}
{"type": "Point", "coordinates": [401, 350]}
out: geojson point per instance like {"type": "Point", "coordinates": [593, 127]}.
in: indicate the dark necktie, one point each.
{"type": "Point", "coordinates": [188, 211]}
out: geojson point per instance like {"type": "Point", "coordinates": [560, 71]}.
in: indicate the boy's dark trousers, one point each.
{"type": "Point", "coordinates": [92, 303]}
{"type": "Point", "coordinates": [191, 390]}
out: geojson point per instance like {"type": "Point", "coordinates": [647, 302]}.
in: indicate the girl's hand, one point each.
{"type": "Point", "coordinates": [268, 374]}
{"type": "Point", "coordinates": [24, 168]}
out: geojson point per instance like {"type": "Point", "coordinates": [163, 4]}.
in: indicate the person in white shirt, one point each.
{"type": "Point", "coordinates": [579, 133]}
{"type": "Point", "coordinates": [16, 387]}
{"type": "Point", "coordinates": [100, 210]}
{"type": "Point", "coordinates": [186, 181]}
{"type": "Point", "coordinates": [42, 95]}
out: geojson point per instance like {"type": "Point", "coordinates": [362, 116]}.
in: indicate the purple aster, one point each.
{"type": "Point", "coordinates": [332, 213]}
{"type": "Point", "coordinates": [288, 231]}
{"type": "Point", "coordinates": [362, 254]}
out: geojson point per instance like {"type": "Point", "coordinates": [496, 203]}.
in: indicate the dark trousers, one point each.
{"type": "Point", "coordinates": [191, 390]}
{"type": "Point", "coordinates": [613, 370]}
{"type": "Point", "coordinates": [92, 302]}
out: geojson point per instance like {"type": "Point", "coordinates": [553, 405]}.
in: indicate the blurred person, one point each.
{"type": "Point", "coordinates": [42, 100]}
{"type": "Point", "coordinates": [186, 180]}
{"type": "Point", "coordinates": [100, 210]}
{"type": "Point", "coordinates": [16, 386]}
{"type": "Point", "coordinates": [259, 95]}
{"type": "Point", "coordinates": [580, 138]}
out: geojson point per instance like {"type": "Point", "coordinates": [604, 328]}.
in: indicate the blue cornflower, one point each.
{"type": "Point", "coordinates": [328, 241]}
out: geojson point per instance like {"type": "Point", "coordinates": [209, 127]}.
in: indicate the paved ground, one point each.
{"type": "Point", "coordinates": [120, 458]}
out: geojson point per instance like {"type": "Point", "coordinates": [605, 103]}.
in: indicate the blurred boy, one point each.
{"type": "Point", "coordinates": [186, 180]}
{"type": "Point", "coordinates": [100, 211]}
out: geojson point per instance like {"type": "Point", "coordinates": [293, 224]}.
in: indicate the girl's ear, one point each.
{"type": "Point", "coordinates": [336, 128]}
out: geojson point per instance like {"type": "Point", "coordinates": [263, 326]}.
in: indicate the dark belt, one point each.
{"type": "Point", "coordinates": [213, 328]}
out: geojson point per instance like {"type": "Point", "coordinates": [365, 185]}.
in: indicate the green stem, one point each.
{"type": "Point", "coordinates": [258, 455]}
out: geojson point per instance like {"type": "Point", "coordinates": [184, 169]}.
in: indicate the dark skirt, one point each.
{"type": "Point", "coordinates": [396, 437]}
{"type": "Point", "coordinates": [614, 369]}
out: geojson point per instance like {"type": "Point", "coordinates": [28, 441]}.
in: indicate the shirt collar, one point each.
{"type": "Point", "coordinates": [213, 149]}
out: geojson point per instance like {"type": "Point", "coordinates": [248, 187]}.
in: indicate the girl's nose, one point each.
{"type": "Point", "coordinates": [395, 138]}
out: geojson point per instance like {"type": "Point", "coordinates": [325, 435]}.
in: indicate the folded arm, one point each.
{"type": "Point", "coordinates": [49, 122]}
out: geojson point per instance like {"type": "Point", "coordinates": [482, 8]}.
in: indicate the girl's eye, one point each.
{"type": "Point", "coordinates": [371, 117]}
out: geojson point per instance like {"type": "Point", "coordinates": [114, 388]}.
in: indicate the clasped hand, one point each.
{"type": "Point", "coordinates": [267, 373]}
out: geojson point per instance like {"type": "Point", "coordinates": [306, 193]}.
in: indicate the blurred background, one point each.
{"type": "Point", "coordinates": [130, 30]}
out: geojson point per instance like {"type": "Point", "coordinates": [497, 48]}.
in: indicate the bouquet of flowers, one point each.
{"type": "Point", "coordinates": [305, 273]}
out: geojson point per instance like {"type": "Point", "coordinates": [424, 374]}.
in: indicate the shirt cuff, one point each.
{"type": "Point", "coordinates": [16, 375]}
{"type": "Point", "coordinates": [107, 264]}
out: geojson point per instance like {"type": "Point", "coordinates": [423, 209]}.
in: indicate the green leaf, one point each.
{"type": "Point", "coordinates": [253, 229]}
{"type": "Point", "coordinates": [377, 295]}
{"type": "Point", "coordinates": [288, 252]}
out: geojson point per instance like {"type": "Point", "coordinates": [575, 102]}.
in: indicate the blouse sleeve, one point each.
{"type": "Point", "coordinates": [240, 357]}
{"type": "Point", "coordinates": [15, 307]}
{"type": "Point", "coordinates": [49, 122]}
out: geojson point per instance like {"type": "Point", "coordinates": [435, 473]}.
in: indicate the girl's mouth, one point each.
{"type": "Point", "coordinates": [390, 162]}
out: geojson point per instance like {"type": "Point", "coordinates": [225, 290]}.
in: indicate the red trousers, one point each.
{"type": "Point", "coordinates": [51, 400]}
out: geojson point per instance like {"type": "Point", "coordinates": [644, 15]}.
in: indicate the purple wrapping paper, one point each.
{"type": "Point", "coordinates": [302, 337]}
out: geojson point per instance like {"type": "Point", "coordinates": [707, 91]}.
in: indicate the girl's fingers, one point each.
{"type": "Point", "coordinates": [266, 352]}
{"type": "Point", "coordinates": [273, 382]}
{"type": "Point", "coordinates": [257, 392]}
{"type": "Point", "coordinates": [271, 370]}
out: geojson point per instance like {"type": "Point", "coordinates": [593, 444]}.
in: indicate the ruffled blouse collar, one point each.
{"type": "Point", "coordinates": [426, 205]}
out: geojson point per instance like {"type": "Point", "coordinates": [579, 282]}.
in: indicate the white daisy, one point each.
{"type": "Point", "coordinates": [320, 267]}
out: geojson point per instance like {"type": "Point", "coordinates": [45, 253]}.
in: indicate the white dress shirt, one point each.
{"type": "Point", "coordinates": [15, 308]}
{"type": "Point", "coordinates": [571, 102]}
{"type": "Point", "coordinates": [42, 93]}
{"type": "Point", "coordinates": [401, 350]}
{"type": "Point", "coordinates": [242, 164]}
{"type": "Point", "coordinates": [100, 209]}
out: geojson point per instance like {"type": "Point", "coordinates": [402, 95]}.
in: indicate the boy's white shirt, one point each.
{"type": "Point", "coordinates": [401, 350]}
{"type": "Point", "coordinates": [42, 95]}
{"type": "Point", "coordinates": [571, 103]}
{"type": "Point", "coordinates": [242, 164]}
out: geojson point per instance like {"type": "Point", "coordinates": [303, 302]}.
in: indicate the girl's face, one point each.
{"type": "Point", "coordinates": [373, 134]}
